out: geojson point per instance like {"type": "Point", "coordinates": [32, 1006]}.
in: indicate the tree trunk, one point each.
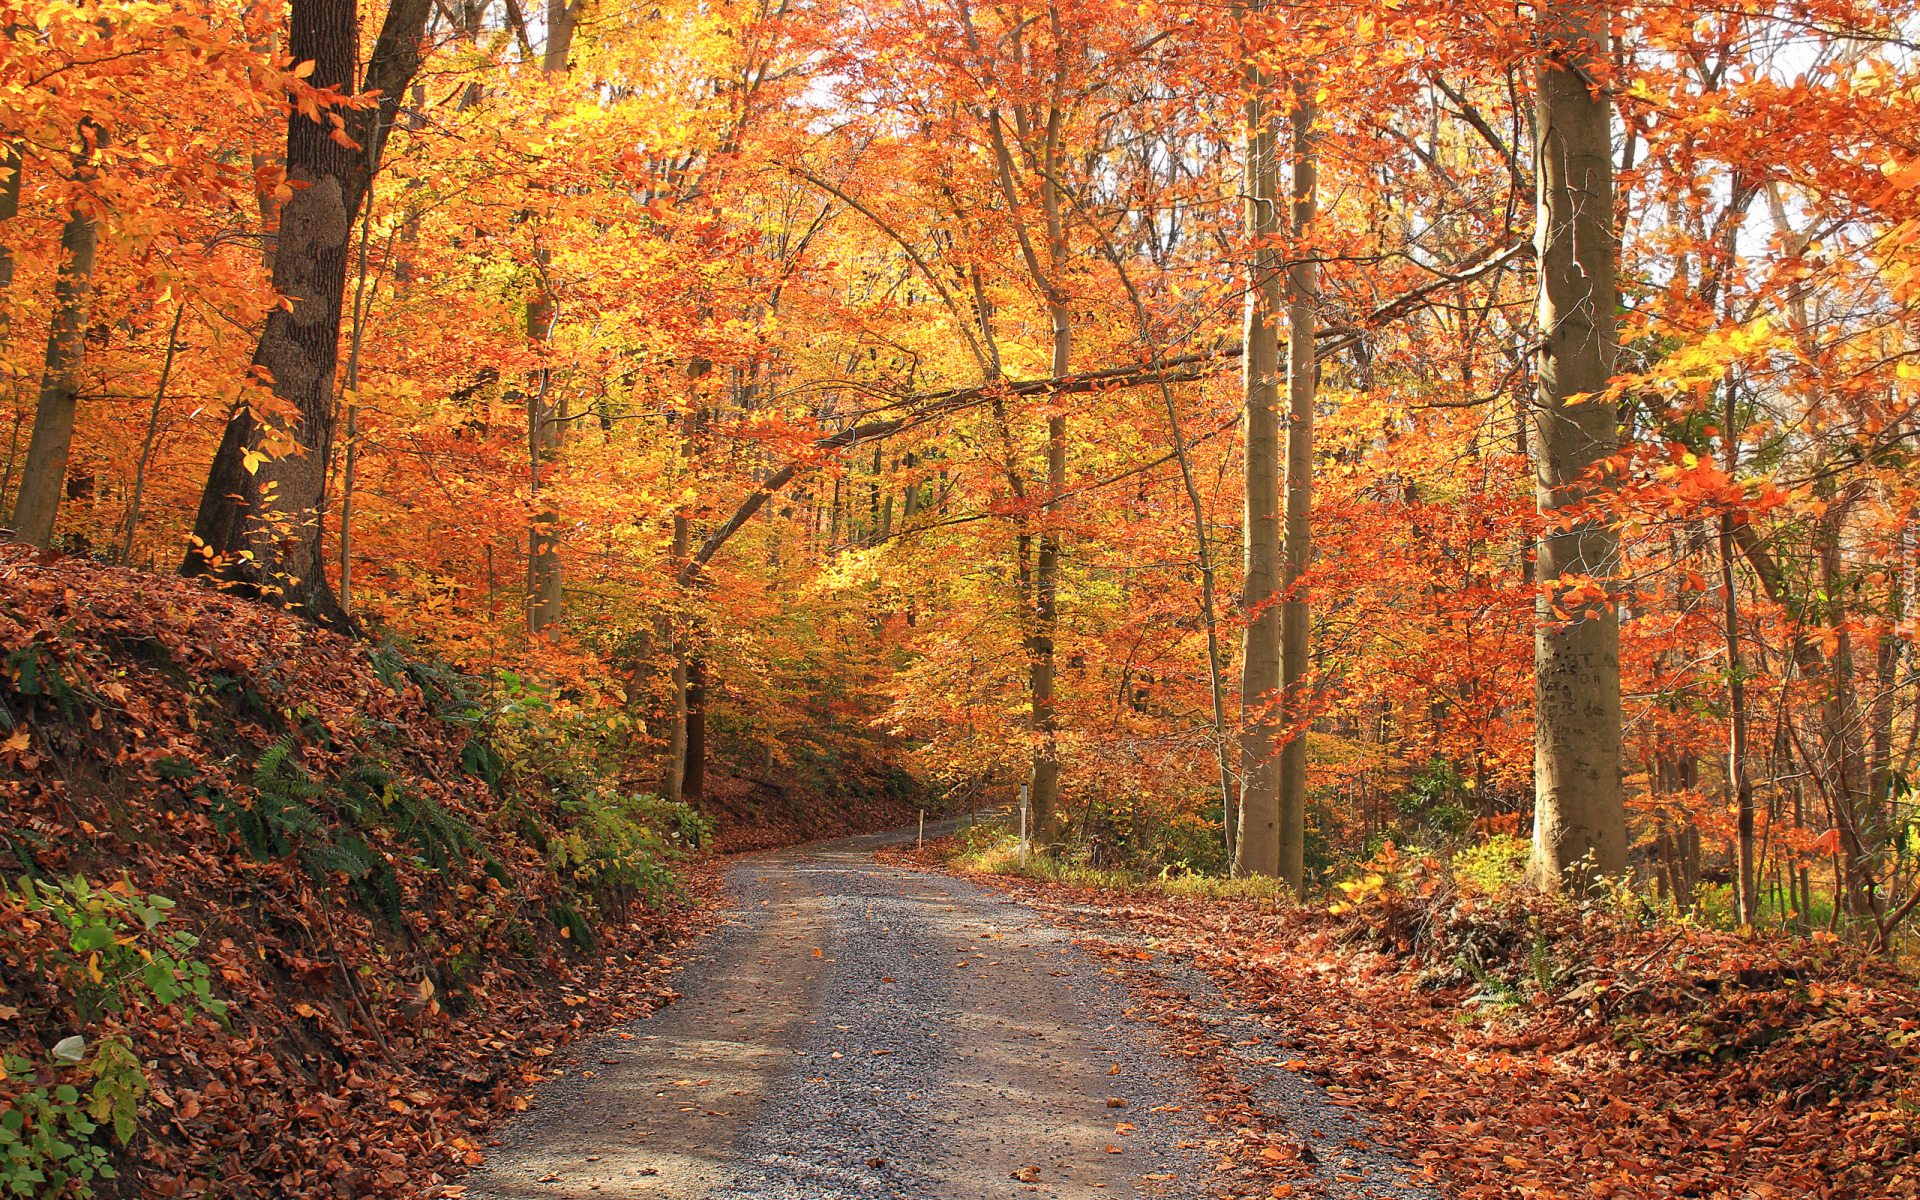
{"type": "Point", "coordinates": [1746, 870]}
{"type": "Point", "coordinates": [546, 422]}
{"type": "Point", "coordinates": [562, 19]}
{"type": "Point", "coordinates": [1256, 843]}
{"type": "Point", "coordinates": [1886, 676]}
{"type": "Point", "coordinates": [547, 414]}
{"type": "Point", "coordinates": [1579, 817]}
{"type": "Point", "coordinates": [674, 637]}
{"type": "Point", "coordinates": [693, 781]}
{"type": "Point", "coordinates": [153, 433]}
{"type": "Point", "coordinates": [1861, 827]}
{"type": "Point", "coordinates": [352, 387]}
{"type": "Point", "coordinates": [1302, 288]}
{"type": "Point", "coordinates": [1043, 619]}
{"type": "Point", "coordinates": [45, 474]}
{"type": "Point", "coordinates": [259, 524]}
{"type": "Point", "coordinates": [1842, 763]}
{"type": "Point", "coordinates": [12, 169]}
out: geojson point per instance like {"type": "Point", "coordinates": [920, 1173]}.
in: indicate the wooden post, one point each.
{"type": "Point", "coordinates": [1023, 827]}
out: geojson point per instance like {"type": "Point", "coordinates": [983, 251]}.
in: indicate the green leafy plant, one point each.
{"type": "Point", "coordinates": [618, 845]}
{"type": "Point", "coordinates": [46, 1137]}
{"type": "Point", "coordinates": [108, 948]}
{"type": "Point", "coordinates": [115, 952]}
{"type": "Point", "coordinates": [1496, 863]}
{"type": "Point", "coordinates": [1433, 799]}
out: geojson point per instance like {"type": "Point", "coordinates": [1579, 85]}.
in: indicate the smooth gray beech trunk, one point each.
{"type": "Point", "coordinates": [1256, 843]}
{"type": "Point", "coordinates": [547, 415]}
{"type": "Point", "coordinates": [45, 474]}
{"type": "Point", "coordinates": [1042, 618]}
{"type": "Point", "coordinates": [1303, 284]}
{"type": "Point", "coordinates": [1579, 816]}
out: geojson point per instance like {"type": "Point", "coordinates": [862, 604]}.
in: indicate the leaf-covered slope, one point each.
{"type": "Point", "coordinates": [399, 932]}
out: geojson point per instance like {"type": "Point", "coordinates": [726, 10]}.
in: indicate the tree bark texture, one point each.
{"type": "Point", "coordinates": [12, 169]}
{"type": "Point", "coordinates": [259, 530]}
{"type": "Point", "coordinates": [693, 782]}
{"type": "Point", "coordinates": [1042, 621]}
{"type": "Point", "coordinates": [43, 479]}
{"type": "Point", "coordinates": [546, 412]}
{"type": "Point", "coordinates": [1746, 870]}
{"type": "Point", "coordinates": [1579, 812]}
{"type": "Point", "coordinates": [1256, 842]}
{"type": "Point", "coordinates": [1303, 281]}
{"type": "Point", "coordinates": [674, 637]}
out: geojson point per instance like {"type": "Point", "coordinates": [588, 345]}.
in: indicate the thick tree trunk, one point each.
{"type": "Point", "coordinates": [1303, 280]}
{"type": "Point", "coordinates": [1579, 813]}
{"type": "Point", "coordinates": [44, 477]}
{"type": "Point", "coordinates": [562, 19]}
{"type": "Point", "coordinates": [1256, 841]}
{"type": "Point", "coordinates": [260, 520]}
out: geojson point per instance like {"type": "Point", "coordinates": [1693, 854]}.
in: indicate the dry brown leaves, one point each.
{"type": "Point", "coordinates": [364, 1058]}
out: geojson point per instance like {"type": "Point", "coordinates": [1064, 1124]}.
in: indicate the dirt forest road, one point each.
{"type": "Point", "coordinates": [858, 1030]}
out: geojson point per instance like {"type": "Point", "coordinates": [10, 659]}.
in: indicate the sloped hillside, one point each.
{"type": "Point", "coordinates": [277, 905]}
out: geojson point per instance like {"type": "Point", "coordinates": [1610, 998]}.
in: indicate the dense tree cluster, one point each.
{"type": "Point", "coordinates": [1256, 428]}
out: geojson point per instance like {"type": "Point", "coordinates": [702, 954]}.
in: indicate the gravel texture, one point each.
{"type": "Point", "coordinates": [858, 1030]}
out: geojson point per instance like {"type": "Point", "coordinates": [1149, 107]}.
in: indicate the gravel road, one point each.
{"type": "Point", "coordinates": [859, 1030]}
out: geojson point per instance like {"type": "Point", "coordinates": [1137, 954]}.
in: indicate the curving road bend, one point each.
{"type": "Point", "coordinates": [859, 1030]}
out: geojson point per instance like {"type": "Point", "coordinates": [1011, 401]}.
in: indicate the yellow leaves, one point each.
{"type": "Point", "coordinates": [18, 742]}
{"type": "Point", "coordinates": [251, 460]}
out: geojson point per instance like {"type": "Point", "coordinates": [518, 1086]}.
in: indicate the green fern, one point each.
{"type": "Point", "coordinates": [279, 813]}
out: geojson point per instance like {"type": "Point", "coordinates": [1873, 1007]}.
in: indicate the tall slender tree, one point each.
{"type": "Point", "coordinates": [1256, 842]}
{"type": "Point", "coordinates": [44, 476]}
{"type": "Point", "coordinates": [1579, 813]}
{"type": "Point", "coordinates": [1303, 284]}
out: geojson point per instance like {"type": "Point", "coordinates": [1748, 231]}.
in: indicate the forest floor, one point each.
{"type": "Point", "coordinates": [853, 1028]}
